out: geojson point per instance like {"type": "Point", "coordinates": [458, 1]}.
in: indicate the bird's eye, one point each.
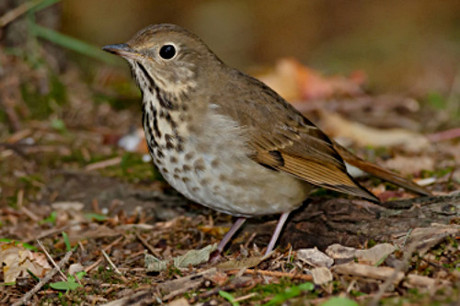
{"type": "Point", "coordinates": [167, 51]}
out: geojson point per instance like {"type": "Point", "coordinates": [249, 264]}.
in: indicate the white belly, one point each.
{"type": "Point", "coordinates": [216, 172]}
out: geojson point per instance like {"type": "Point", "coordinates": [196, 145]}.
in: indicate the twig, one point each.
{"type": "Point", "coordinates": [407, 237]}
{"type": "Point", "coordinates": [106, 256]}
{"type": "Point", "coordinates": [8, 107]}
{"type": "Point", "coordinates": [16, 12]}
{"type": "Point", "coordinates": [44, 280]}
{"type": "Point", "coordinates": [103, 164]}
{"type": "Point", "coordinates": [245, 297]}
{"type": "Point", "coordinates": [215, 291]}
{"type": "Point", "coordinates": [97, 262]}
{"type": "Point", "coordinates": [29, 214]}
{"type": "Point", "coordinates": [147, 245]}
{"type": "Point", "coordinates": [444, 135]}
{"type": "Point", "coordinates": [51, 259]}
{"type": "Point", "coordinates": [20, 198]}
{"type": "Point", "coordinates": [251, 238]}
{"type": "Point", "coordinates": [274, 274]}
{"type": "Point", "coordinates": [53, 231]}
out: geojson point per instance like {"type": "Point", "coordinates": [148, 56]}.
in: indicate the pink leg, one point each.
{"type": "Point", "coordinates": [230, 234]}
{"type": "Point", "coordinates": [277, 232]}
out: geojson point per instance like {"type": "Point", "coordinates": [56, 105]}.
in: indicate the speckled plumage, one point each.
{"type": "Point", "coordinates": [224, 139]}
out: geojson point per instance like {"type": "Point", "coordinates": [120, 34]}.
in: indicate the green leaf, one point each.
{"type": "Point", "coordinates": [339, 301]}
{"type": "Point", "coordinates": [28, 246]}
{"type": "Point", "coordinates": [44, 4]}
{"type": "Point", "coordinates": [97, 217]}
{"type": "Point", "coordinates": [306, 286]}
{"type": "Point", "coordinates": [79, 275]}
{"type": "Point", "coordinates": [25, 245]}
{"type": "Point", "coordinates": [51, 219]}
{"type": "Point", "coordinates": [228, 297]}
{"type": "Point", "coordinates": [72, 43]}
{"type": "Point", "coordinates": [68, 247]}
{"type": "Point", "coordinates": [437, 100]}
{"type": "Point", "coordinates": [290, 293]}
{"type": "Point", "coordinates": [59, 126]}
{"type": "Point", "coordinates": [65, 286]}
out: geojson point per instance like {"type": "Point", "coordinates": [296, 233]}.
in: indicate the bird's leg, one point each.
{"type": "Point", "coordinates": [277, 232]}
{"type": "Point", "coordinates": [230, 234]}
{"type": "Point", "coordinates": [215, 256]}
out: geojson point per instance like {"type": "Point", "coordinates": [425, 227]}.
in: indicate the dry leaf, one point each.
{"type": "Point", "coordinates": [181, 285]}
{"type": "Point", "coordinates": [193, 258]}
{"type": "Point", "coordinates": [75, 206]}
{"type": "Point", "coordinates": [216, 231]}
{"type": "Point", "coordinates": [16, 260]}
{"type": "Point", "coordinates": [315, 257]}
{"type": "Point", "coordinates": [425, 238]}
{"type": "Point", "coordinates": [179, 302]}
{"type": "Point", "coordinates": [75, 268]}
{"type": "Point", "coordinates": [410, 164]}
{"type": "Point", "coordinates": [371, 256]}
{"type": "Point", "coordinates": [100, 231]}
{"type": "Point", "coordinates": [363, 135]}
{"type": "Point", "coordinates": [321, 275]}
{"type": "Point", "coordinates": [234, 264]}
{"type": "Point", "coordinates": [383, 273]}
{"type": "Point", "coordinates": [294, 81]}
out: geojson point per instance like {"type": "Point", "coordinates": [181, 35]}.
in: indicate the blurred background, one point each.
{"type": "Point", "coordinates": [317, 54]}
{"type": "Point", "coordinates": [400, 45]}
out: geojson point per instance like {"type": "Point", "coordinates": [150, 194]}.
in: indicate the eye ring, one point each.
{"type": "Point", "coordinates": [167, 51]}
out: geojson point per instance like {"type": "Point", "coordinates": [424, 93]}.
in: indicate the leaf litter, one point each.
{"type": "Point", "coordinates": [64, 169]}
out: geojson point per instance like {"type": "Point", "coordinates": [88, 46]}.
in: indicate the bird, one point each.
{"type": "Point", "coordinates": [226, 140]}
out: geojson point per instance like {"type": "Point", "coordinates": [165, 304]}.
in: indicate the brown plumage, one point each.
{"type": "Point", "coordinates": [226, 140]}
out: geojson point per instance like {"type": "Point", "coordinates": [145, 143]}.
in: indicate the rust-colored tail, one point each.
{"type": "Point", "coordinates": [379, 172]}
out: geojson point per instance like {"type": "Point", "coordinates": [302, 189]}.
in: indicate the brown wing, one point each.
{"type": "Point", "coordinates": [282, 139]}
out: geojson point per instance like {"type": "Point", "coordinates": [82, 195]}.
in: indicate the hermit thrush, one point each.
{"type": "Point", "coordinates": [227, 141]}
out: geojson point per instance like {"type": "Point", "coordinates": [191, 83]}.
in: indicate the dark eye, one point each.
{"type": "Point", "coordinates": [167, 51]}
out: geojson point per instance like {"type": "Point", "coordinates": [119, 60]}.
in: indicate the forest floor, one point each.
{"type": "Point", "coordinates": [72, 197]}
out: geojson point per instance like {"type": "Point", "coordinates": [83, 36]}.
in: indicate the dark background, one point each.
{"type": "Point", "coordinates": [401, 45]}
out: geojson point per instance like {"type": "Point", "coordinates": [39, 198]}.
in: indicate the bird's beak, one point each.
{"type": "Point", "coordinates": [122, 50]}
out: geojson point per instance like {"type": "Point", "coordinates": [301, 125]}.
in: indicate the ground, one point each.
{"type": "Point", "coordinates": [70, 193]}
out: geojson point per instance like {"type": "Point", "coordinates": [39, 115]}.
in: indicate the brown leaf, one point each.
{"type": "Point", "coordinates": [294, 81]}
{"type": "Point", "coordinates": [314, 257]}
{"type": "Point", "coordinates": [362, 135]}
{"type": "Point", "coordinates": [321, 275]}
{"type": "Point", "coordinates": [16, 260]}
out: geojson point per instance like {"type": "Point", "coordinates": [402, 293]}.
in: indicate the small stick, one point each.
{"type": "Point", "coordinates": [103, 164]}
{"type": "Point", "coordinates": [251, 238]}
{"type": "Point", "coordinates": [29, 214]}
{"type": "Point", "coordinates": [444, 135]}
{"type": "Point", "coordinates": [106, 256]}
{"type": "Point", "coordinates": [147, 245]}
{"type": "Point", "coordinates": [275, 274]}
{"type": "Point", "coordinates": [97, 262]}
{"type": "Point", "coordinates": [245, 297]}
{"type": "Point", "coordinates": [215, 291]}
{"type": "Point", "coordinates": [53, 231]}
{"type": "Point", "coordinates": [18, 11]}
{"type": "Point", "coordinates": [20, 198]}
{"type": "Point", "coordinates": [51, 259]}
{"type": "Point", "coordinates": [26, 297]}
